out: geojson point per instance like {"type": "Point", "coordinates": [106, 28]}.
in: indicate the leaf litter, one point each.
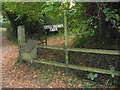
{"type": "Point", "coordinates": [16, 75]}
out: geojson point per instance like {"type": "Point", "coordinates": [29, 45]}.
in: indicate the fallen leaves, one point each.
{"type": "Point", "coordinates": [14, 75]}
{"type": "Point", "coordinates": [22, 76]}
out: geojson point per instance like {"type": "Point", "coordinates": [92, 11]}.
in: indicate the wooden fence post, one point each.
{"type": "Point", "coordinates": [66, 40]}
{"type": "Point", "coordinates": [21, 35]}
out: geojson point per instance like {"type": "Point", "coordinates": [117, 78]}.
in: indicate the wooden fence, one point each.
{"type": "Point", "coordinates": [67, 49]}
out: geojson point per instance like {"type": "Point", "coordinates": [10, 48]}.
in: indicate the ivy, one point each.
{"type": "Point", "coordinates": [112, 68]}
{"type": "Point", "coordinates": [106, 10]}
{"type": "Point", "coordinates": [92, 76]}
{"type": "Point", "coordinates": [112, 16]}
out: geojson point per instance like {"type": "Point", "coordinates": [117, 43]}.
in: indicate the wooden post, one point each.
{"type": "Point", "coordinates": [21, 35]}
{"type": "Point", "coordinates": [46, 37]}
{"type": "Point", "coordinates": [66, 40]}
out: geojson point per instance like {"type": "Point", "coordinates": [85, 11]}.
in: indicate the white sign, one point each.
{"type": "Point", "coordinates": [53, 27]}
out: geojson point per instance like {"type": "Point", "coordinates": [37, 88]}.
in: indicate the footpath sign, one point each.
{"type": "Point", "coordinates": [53, 27]}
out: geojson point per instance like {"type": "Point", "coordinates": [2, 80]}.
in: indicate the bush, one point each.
{"type": "Point", "coordinates": [82, 41]}
{"type": "Point", "coordinates": [9, 32]}
{"type": "Point", "coordinates": [90, 42]}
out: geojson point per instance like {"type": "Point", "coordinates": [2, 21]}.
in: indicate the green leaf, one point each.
{"type": "Point", "coordinates": [87, 86]}
{"type": "Point", "coordinates": [118, 29]}
{"type": "Point", "coordinates": [95, 26]}
{"type": "Point", "coordinates": [113, 75]}
{"type": "Point", "coordinates": [112, 67]}
{"type": "Point", "coordinates": [107, 19]}
{"type": "Point", "coordinates": [106, 10]}
{"type": "Point", "coordinates": [49, 3]}
{"type": "Point", "coordinates": [117, 17]}
{"type": "Point", "coordinates": [49, 8]}
{"type": "Point", "coordinates": [92, 76]}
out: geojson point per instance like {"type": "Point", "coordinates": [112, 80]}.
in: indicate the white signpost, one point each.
{"type": "Point", "coordinates": [53, 27]}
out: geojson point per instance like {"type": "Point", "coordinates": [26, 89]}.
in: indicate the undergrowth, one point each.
{"type": "Point", "coordinates": [90, 42]}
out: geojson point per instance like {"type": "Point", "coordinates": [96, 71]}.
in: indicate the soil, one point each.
{"type": "Point", "coordinates": [59, 41]}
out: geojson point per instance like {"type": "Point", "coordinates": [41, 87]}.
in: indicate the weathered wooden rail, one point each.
{"type": "Point", "coordinates": [97, 70]}
{"type": "Point", "coordinates": [99, 51]}
{"type": "Point", "coordinates": [90, 69]}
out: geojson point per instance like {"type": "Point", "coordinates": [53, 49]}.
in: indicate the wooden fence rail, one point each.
{"type": "Point", "coordinates": [97, 70]}
{"type": "Point", "coordinates": [112, 52]}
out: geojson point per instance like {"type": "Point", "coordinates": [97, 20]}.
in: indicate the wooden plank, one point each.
{"type": "Point", "coordinates": [97, 70]}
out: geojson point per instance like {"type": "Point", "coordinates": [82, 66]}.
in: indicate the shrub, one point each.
{"type": "Point", "coordinates": [81, 41]}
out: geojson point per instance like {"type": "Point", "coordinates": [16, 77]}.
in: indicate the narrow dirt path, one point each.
{"type": "Point", "coordinates": [6, 47]}
{"type": "Point", "coordinates": [13, 75]}
{"type": "Point", "coordinates": [58, 41]}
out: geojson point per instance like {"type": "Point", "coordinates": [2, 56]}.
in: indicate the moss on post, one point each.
{"type": "Point", "coordinates": [21, 35]}
{"type": "Point", "coordinates": [66, 36]}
